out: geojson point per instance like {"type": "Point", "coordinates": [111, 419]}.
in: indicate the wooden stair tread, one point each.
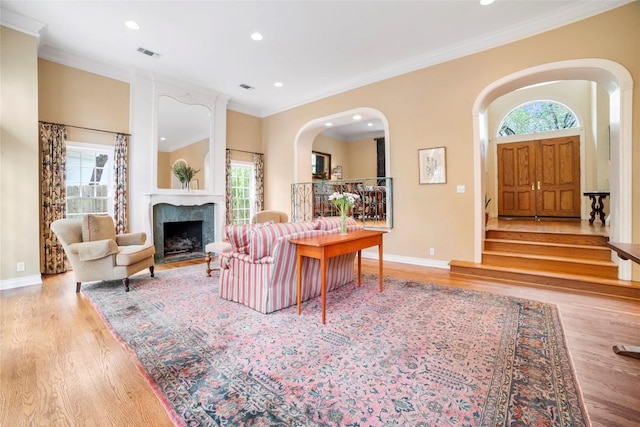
{"type": "Point", "coordinates": [551, 258]}
{"type": "Point", "coordinates": [549, 244]}
{"type": "Point", "coordinates": [549, 278]}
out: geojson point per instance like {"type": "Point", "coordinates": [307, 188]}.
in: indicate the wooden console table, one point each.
{"type": "Point", "coordinates": [626, 251]}
{"type": "Point", "coordinates": [332, 245]}
{"type": "Point", "coordinates": [597, 205]}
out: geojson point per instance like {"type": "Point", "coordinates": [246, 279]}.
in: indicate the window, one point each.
{"type": "Point", "coordinates": [537, 116]}
{"type": "Point", "coordinates": [242, 192]}
{"type": "Point", "coordinates": [88, 179]}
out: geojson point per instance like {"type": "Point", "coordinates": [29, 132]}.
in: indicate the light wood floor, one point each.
{"type": "Point", "coordinates": [60, 366]}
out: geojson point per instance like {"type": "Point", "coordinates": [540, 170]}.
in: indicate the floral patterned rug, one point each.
{"type": "Point", "coordinates": [417, 354]}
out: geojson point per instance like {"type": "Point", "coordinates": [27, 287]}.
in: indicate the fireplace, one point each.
{"type": "Point", "coordinates": [182, 237]}
{"type": "Point", "coordinates": [182, 232]}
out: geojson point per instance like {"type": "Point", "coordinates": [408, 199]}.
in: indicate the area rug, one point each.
{"type": "Point", "coordinates": [417, 354]}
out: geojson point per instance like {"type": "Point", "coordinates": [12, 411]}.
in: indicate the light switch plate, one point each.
{"type": "Point", "coordinates": [461, 189]}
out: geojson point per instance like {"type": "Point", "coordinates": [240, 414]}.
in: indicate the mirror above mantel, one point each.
{"type": "Point", "coordinates": [183, 133]}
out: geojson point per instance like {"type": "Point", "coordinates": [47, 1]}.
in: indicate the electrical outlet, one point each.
{"type": "Point", "coordinates": [432, 251]}
{"type": "Point", "coordinates": [20, 266]}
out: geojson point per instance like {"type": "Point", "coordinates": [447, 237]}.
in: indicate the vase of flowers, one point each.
{"type": "Point", "coordinates": [343, 201]}
{"type": "Point", "coordinates": [184, 173]}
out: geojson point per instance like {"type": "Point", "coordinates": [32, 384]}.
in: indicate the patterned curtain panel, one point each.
{"type": "Point", "coordinates": [258, 161]}
{"type": "Point", "coordinates": [53, 154]}
{"type": "Point", "coordinates": [228, 194]}
{"type": "Point", "coordinates": [121, 160]}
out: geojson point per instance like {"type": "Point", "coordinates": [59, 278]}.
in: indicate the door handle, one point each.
{"type": "Point", "coordinates": [538, 185]}
{"type": "Point", "coordinates": [533, 187]}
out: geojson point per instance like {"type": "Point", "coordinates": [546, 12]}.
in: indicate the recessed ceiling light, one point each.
{"type": "Point", "coordinates": [132, 25]}
{"type": "Point", "coordinates": [162, 138]}
{"type": "Point", "coordinates": [369, 124]}
{"type": "Point", "coordinates": [256, 36]}
{"type": "Point", "coordinates": [486, 2]}
{"type": "Point", "coordinates": [357, 117]}
{"type": "Point", "coordinates": [328, 124]}
{"type": "Point", "coordinates": [278, 84]}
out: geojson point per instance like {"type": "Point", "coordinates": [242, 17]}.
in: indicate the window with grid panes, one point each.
{"type": "Point", "coordinates": [242, 192]}
{"type": "Point", "coordinates": [88, 180]}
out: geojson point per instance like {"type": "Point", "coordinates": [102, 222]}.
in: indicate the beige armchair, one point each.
{"type": "Point", "coordinates": [266, 216]}
{"type": "Point", "coordinates": [97, 253]}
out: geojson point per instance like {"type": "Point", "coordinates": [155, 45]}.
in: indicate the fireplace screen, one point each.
{"type": "Point", "coordinates": [182, 237]}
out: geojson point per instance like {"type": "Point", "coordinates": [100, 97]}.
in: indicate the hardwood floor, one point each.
{"type": "Point", "coordinates": [60, 365]}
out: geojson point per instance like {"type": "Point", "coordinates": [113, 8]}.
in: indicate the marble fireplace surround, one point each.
{"type": "Point", "coordinates": [182, 207]}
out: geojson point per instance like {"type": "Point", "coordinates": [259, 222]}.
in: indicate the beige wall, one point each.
{"type": "Point", "coordinates": [363, 159]}
{"type": "Point", "coordinates": [19, 193]}
{"type": "Point", "coordinates": [244, 132]}
{"type": "Point", "coordinates": [432, 107]}
{"type": "Point", "coordinates": [338, 150]}
{"type": "Point", "coordinates": [75, 97]}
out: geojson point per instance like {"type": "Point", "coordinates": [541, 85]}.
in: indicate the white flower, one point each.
{"type": "Point", "coordinates": [343, 201]}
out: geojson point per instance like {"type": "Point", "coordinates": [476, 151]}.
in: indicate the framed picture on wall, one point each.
{"type": "Point", "coordinates": [433, 165]}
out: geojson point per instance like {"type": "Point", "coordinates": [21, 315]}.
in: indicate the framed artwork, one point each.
{"type": "Point", "coordinates": [433, 165]}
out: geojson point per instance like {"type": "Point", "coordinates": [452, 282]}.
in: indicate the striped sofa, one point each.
{"type": "Point", "coordinates": [260, 272]}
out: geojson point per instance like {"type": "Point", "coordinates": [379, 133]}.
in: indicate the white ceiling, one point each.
{"type": "Point", "coordinates": [315, 48]}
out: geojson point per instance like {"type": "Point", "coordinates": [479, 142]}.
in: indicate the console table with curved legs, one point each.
{"type": "Point", "coordinates": [597, 204]}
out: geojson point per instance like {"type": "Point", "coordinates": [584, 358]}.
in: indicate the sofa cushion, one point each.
{"type": "Point", "coordinates": [261, 239]}
{"type": "Point", "coordinates": [129, 255]}
{"type": "Point", "coordinates": [238, 236]}
{"type": "Point", "coordinates": [97, 227]}
{"type": "Point", "coordinates": [332, 222]}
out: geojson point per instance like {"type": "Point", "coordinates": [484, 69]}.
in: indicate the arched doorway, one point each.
{"type": "Point", "coordinates": [305, 137]}
{"type": "Point", "coordinates": [618, 83]}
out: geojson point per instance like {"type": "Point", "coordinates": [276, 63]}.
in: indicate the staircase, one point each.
{"type": "Point", "coordinates": [555, 259]}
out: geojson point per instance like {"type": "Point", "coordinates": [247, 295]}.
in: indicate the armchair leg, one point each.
{"type": "Point", "coordinates": [151, 270]}
{"type": "Point", "coordinates": [77, 286]}
{"type": "Point", "coordinates": [126, 284]}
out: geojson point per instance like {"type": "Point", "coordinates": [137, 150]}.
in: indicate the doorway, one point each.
{"type": "Point", "coordinates": [618, 82]}
{"type": "Point", "coordinates": [539, 178]}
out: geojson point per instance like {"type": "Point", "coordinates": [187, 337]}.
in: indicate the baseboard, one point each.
{"type": "Point", "coordinates": [20, 282]}
{"type": "Point", "coordinates": [373, 254]}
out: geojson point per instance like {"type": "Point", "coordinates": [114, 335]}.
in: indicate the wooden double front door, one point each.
{"type": "Point", "coordinates": [540, 178]}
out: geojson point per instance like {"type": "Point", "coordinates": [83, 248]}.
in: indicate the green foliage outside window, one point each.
{"type": "Point", "coordinates": [241, 193]}
{"type": "Point", "coordinates": [538, 116]}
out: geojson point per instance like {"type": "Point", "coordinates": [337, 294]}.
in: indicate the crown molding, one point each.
{"type": "Point", "coordinates": [510, 34]}
{"type": "Point", "coordinates": [86, 64]}
{"type": "Point", "coordinates": [21, 23]}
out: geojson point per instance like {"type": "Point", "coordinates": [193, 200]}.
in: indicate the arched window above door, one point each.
{"type": "Point", "coordinates": [537, 116]}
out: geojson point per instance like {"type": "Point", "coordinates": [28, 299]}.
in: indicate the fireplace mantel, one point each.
{"type": "Point", "coordinates": [184, 198]}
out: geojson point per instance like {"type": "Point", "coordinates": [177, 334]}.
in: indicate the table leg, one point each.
{"type": "Point", "coordinates": [600, 208]}
{"type": "Point", "coordinates": [359, 266]}
{"type": "Point", "coordinates": [207, 259]}
{"type": "Point", "coordinates": [593, 209]}
{"type": "Point", "coordinates": [299, 296]}
{"type": "Point", "coordinates": [323, 287]}
{"type": "Point", "coordinates": [380, 264]}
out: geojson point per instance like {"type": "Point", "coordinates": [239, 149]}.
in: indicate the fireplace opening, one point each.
{"type": "Point", "coordinates": [183, 237]}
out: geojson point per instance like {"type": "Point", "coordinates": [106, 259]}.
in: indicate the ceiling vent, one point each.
{"type": "Point", "coordinates": [148, 52]}
{"type": "Point", "coordinates": [246, 86]}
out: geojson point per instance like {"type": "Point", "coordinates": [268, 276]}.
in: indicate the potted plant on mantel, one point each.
{"type": "Point", "coordinates": [184, 173]}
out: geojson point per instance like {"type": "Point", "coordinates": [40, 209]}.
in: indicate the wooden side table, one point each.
{"type": "Point", "coordinates": [332, 245]}
{"type": "Point", "coordinates": [597, 205]}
